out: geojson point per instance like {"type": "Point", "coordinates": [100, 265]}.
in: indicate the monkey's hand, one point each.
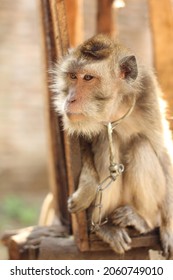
{"type": "Point", "coordinates": [80, 200]}
{"type": "Point", "coordinates": [166, 236]}
{"type": "Point", "coordinates": [126, 216]}
{"type": "Point", "coordinates": [116, 237]}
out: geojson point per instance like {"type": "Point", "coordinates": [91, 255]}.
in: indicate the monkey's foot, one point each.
{"type": "Point", "coordinates": [126, 216]}
{"type": "Point", "coordinates": [116, 237]}
{"type": "Point", "coordinates": [167, 243]}
{"type": "Point", "coordinates": [77, 203]}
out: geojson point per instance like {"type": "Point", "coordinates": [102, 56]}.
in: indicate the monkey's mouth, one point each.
{"type": "Point", "coordinates": [75, 117]}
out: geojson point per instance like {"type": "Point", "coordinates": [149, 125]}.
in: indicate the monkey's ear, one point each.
{"type": "Point", "coordinates": [128, 68]}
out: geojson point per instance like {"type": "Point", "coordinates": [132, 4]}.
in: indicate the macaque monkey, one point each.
{"type": "Point", "coordinates": [95, 84]}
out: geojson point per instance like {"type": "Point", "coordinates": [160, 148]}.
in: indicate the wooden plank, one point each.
{"type": "Point", "coordinates": [74, 163]}
{"type": "Point", "coordinates": [54, 243]}
{"type": "Point", "coordinates": [65, 249]}
{"type": "Point", "coordinates": [24, 243]}
{"type": "Point", "coordinates": [59, 23]}
{"type": "Point", "coordinates": [74, 10]}
{"type": "Point", "coordinates": [106, 17]}
{"type": "Point", "coordinates": [161, 19]}
{"type": "Point", "coordinates": [149, 240]}
{"type": "Point", "coordinates": [57, 166]}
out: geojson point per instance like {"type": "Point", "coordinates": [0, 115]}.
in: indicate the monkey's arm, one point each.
{"type": "Point", "coordinates": [88, 181]}
{"type": "Point", "coordinates": [126, 216]}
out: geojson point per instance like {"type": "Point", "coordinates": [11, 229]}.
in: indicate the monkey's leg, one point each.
{"type": "Point", "coordinates": [116, 237]}
{"type": "Point", "coordinates": [126, 216]}
{"type": "Point", "coordinates": [88, 182]}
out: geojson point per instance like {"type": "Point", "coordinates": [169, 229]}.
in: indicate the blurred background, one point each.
{"type": "Point", "coordinates": [24, 176]}
{"type": "Point", "coordinates": [23, 144]}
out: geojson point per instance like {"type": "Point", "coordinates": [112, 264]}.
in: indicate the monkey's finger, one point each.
{"type": "Point", "coordinates": [165, 251]}
{"type": "Point", "coordinates": [125, 240]}
{"type": "Point", "coordinates": [124, 210]}
{"type": "Point", "coordinates": [126, 237]}
{"type": "Point", "coordinates": [121, 242]}
{"type": "Point", "coordinates": [125, 246]}
{"type": "Point", "coordinates": [117, 247]}
{"type": "Point", "coordinates": [72, 205]}
{"type": "Point", "coordinates": [117, 215]}
{"type": "Point", "coordinates": [169, 255]}
{"type": "Point", "coordinates": [121, 221]}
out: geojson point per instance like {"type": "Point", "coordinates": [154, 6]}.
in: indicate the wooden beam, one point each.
{"type": "Point", "coordinates": [59, 21]}
{"type": "Point", "coordinates": [54, 243]}
{"type": "Point", "coordinates": [65, 249]}
{"type": "Point", "coordinates": [150, 240]}
{"type": "Point", "coordinates": [24, 243]}
{"type": "Point", "coordinates": [74, 10]}
{"type": "Point", "coordinates": [106, 17]}
{"type": "Point", "coordinates": [57, 165]}
{"type": "Point", "coordinates": [161, 18]}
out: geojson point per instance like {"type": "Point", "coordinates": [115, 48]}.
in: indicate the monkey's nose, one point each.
{"type": "Point", "coordinates": [72, 100]}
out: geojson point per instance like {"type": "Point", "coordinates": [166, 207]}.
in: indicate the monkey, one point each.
{"type": "Point", "coordinates": [95, 84]}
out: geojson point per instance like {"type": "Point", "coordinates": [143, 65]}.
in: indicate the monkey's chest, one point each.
{"type": "Point", "coordinates": [101, 152]}
{"type": "Point", "coordinates": [111, 195]}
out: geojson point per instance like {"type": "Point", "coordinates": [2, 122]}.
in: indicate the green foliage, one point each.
{"type": "Point", "coordinates": [15, 210]}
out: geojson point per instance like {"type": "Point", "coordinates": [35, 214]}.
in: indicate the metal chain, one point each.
{"type": "Point", "coordinates": [115, 170]}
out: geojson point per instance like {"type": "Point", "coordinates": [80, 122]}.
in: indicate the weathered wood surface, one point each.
{"type": "Point", "coordinates": [57, 164]}
{"type": "Point", "coordinates": [106, 17]}
{"type": "Point", "coordinates": [53, 243]}
{"type": "Point", "coordinates": [65, 249]}
{"type": "Point", "coordinates": [161, 19]}
{"type": "Point", "coordinates": [74, 10]}
{"type": "Point", "coordinates": [25, 243]}
{"type": "Point", "coordinates": [150, 240]}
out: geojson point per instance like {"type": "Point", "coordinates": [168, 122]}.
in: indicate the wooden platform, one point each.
{"type": "Point", "coordinates": [53, 243]}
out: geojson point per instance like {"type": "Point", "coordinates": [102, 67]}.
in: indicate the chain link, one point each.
{"type": "Point", "coordinates": [115, 170]}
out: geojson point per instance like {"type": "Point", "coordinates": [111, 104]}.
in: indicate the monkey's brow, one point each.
{"type": "Point", "coordinates": [81, 70]}
{"type": "Point", "coordinates": [73, 66]}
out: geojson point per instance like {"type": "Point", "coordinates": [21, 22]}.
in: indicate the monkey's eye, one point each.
{"type": "Point", "coordinates": [88, 77]}
{"type": "Point", "coordinates": [73, 76]}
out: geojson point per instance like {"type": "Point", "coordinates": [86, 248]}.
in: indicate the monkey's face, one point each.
{"type": "Point", "coordinates": [90, 83]}
{"type": "Point", "coordinates": [87, 97]}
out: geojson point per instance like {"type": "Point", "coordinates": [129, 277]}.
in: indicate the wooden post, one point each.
{"type": "Point", "coordinates": [161, 18]}
{"type": "Point", "coordinates": [106, 17]}
{"type": "Point", "coordinates": [74, 10]}
{"type": "Point", "coordinates": [57, 165]}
